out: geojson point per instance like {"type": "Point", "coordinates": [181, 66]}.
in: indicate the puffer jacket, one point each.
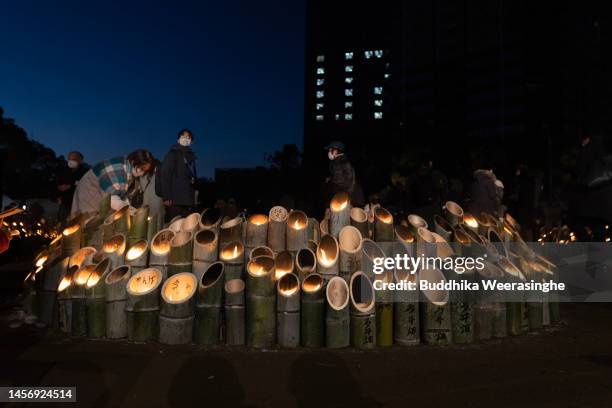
{"type": "Point", "coordinates": [178, 176]}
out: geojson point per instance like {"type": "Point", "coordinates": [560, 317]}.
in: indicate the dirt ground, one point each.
{"type": "Point", "coordinates": [567, 366]}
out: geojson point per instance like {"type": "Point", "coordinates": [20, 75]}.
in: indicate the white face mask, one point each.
{"type": "Point", "coordinates": [331, 156]}
{"type": "Point", "coordinates": [185, 141]}
{"type": "Point", "coordinates": [73, 164]}
{"type": "Point", "coordinates": [137, 172]}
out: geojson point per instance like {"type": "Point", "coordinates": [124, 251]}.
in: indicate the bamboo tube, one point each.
{"type": "Point", "coordinates": [260, 251]}
{"type": "Point", "coordinates": [83, 256]}
{"type": "Point", "coordinates": [498, 243]}
{"type": "Point", "coordinates": [153, 225]}
{"type": "Point", "coordinates": [406, 240]}
{"type": "Point", "coordinates": [92, 232]}
{"type": "Point", "coordinates": [415, 222]}
{"type": "Point", "coordinates": [108, 227]}
{"type": "Point", "coordinates": [362, 312]}
{"type": "Point", "coordinates": [312, 311]}
{"type": "Point", "coordinates": [305, 263]}
{"type": "Point", "coordinates": [314, 234]}
{"type": "Point", "coordinates": [436, 313]}
{"type": "Point", "coordinates": [232, 256]}
{"type": "Point", "coordinates": [121, 221]}
{"type": "Point", "coordinates": [512, 222]}
{"type": "Point", "coordinates": [514, 301]}
{"type": "Point", "coordinates": [533, 299]}
{"type": "Point", "coordinates": [340, 213]}
{"type": "Point", "coordinates": [443, 227]}
{"type": "Point", "coordinates": [359, 220]}
{"type": "Point", "coordinates": [288, 311]}
{"type": "Point", "coordinates": [384, 309]}
{"type": "Point", "coordinates": [406, 310]}
{"type": "Point", "coordinates": [453, 213]}
{"type": "Point", "coordinates": [71, 239]}
{"type": "Point", "coordinates": [443, 249]}
{"type": "Point", "coordinates": [328, 257]}
{"type": "Point", "coordinates": [297, 231]}
{"type": "Point", "coordinates": [205, 251]}
{"type": "Point", "coordinates": [207, 330]}
{"type": "Point", "coordinates": [234, 312]}
{"type": "Point", "coordinates": [470, 223]}
{"type": "Point", "coordinates": [46, 293]}
{"type": "Point", "coordinates": [210, 219]}
{"type": "Point", "coordinates": [115, 298]}
{"type": "Point", "coordinates": [105, 205]}
{"type": "Point", "coordinates": [256, 232]}
{"type": "Point", "coordinates": [426, 243]}
{"type": "Point", "coordinates": [137, 256]}
{"type": "Point", "coordinates": [64, 302]}
{"type": "Point", "coordinates": [142, 305]}
{"type": "Point", "coordinates": [370, 251]}
{"type": "Point", "coordinates": [277, 226]}
{"type": "Point", "coordinates": [94, 300]}
{"type": "Point", "coordinates": [139, 226]}
{"type": "Point", "coordinates": [176, 224]}
{"type": "Point", "coordinates": [350, 245]}
{"type": "Point", "coordinates": [283, 264]}
{"type": "Point", "coordinates": [260, 303]}
{"type": "Point", "coordinates": [114, 249]}
{"type": "Point", "coordinates": [337, 319]}
{"type": "Point", "coordinates": [180, 258]}
{"type": "Point", "coordinates": [383, 226]}
{"type": "Point", "coordinates": [160, 251]}
{"type": "Point", "coordinates": [484, 225]}
{"type": "Point", "coordinates": [77, 293]}
{"type": "Point", "coordinates": [176, 310]}
{"type": "Point", "coordinates": [312, 245]}
{"type": "Point", "coordinates": [230, 231]}
{"type": "Point", "coordinates": [191, 223]}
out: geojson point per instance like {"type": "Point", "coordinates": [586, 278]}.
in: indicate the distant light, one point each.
{"type": "Point", "coordinates": [368, 54]}
{"type": "Point", "coordinates": [320, 81]}
{"type": "Point", "coordinates": [378, 53]}
{"type": "Point", "coordinates": [378, 90]}
{"type": "Point", "coordinates": [348, 116]}
{"type": "Point", "coordinates": [378, 115]}
{"type": "Point", "coordinates": [320, 94]}
{"type": "Point", "coordinates": [348, 80]}
{"type": "Point", "coordinates": [348, 104]}
{"type": "Point", "coordinates": [348, 92]}
{"type": "Point", "coordinates": [320, 58]}
{"type": "Point", "coordinates": [348, 55]}
{"type": "Point", "coordinates": [23, 206]}
{"type": "Point", "coordinates": [319, 117]}
{"type": "Point", "coordinates": [337, 116]}
{"type": "Point", "coordinates": [378, 102]}
{"type": "Point", "coordinates": [320, 71]}
{"type": "Point", "coordinates": [320, 105]}
{"type": "Point", "coordinates": [348, 68]}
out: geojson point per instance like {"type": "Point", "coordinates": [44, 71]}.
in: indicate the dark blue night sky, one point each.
{"type": "Point", "coordinates": [108, 77]}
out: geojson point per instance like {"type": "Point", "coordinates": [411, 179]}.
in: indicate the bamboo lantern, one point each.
{"type": "Point", "coordinates": [314, 230]}
{"type": "Point", "coordinates": [470, 222]}
{"type": "Point", "coordinates": [305, 263]}
{"type": "Point", "coordinates": [232, 256]}
{"type": "Point", "coordinates": [176, 310]}
{"type": "Point", "coordinates": [261, 251]}
{"type": "Point", "coordinates": [495, 223]}
{"type": "Point", "coordinates": [256, 232]}
{"type": "Point", "coordinates": [359, 220]}
{"type": "Point", "coordinates": [484, 225]}
{"type": "Point", "coordinates": [79, 308]}
{"type": "Point", "coordinates": [512, 222]}
{"type": "Point", "coordinates": [533, 299]}
{"type": "Point", "coordinates": [426, 243]}
{"type": "Point", "coordinates": [176, 224]}
{"type": "Point", "coordinates": [312, 312]}
{"type": "Point", "coordinates": [383, 226]}
{"type": "Point", "coordinates": [153, 225]}
{"type": "Point", "coordinates": [94, 299]}
{"type": "Point", "coordinates": [234, 312]}
{"type": "Point", "coordinates": [115, 299]}
{"type": "Point", "coordinates": [337, 319]}
{"type": "Point", "coordinates": [443, 227]}
{"type": "Point", "coordinates": [108, 227]}
{"type": "Point", "coordinates": [142, 305]}
{"type": "Point", "coordinates": [350, 245]}
{"type": "Point", "coordinates": [453, 213]}
{"type": "Point", "coordinates": [500, 311]}
{"type": "Point", "coordinates": [415, 222]}
{"type": "Point", "coordinates": [312, 245]}
{"type": "Point", "coordinates": [277, 226]}
{"type": "Point", "coordinates": [71, 239]}
{"type": "Point", "coordinates": [160, 251]}
{"type": "Point", "coordinates": [324, 227]}
{"type": "Point", "coordinates": [483, 309]}
{"type": "Point", "coordinates": [406, 326]}
{"type": "Point", "coordinates": [462, 242]}
{"type": "Point", "coordinates": [297, 231]}
{"type": "Point", "coordinates": [92, 232]}
{"type": "Point", "coordinates": [82, 257]}
{"type": "Point", "coordinates": [514, 302]}
{"type": "Point", "coordinates": [46, 294]}
{"type": "Point", "coordinates": [64, 302]}
{"type": "Point", "coordinates": [137, 256]}
{"type": "Point", "coordinates": [283, 264]}
{"type": "Point", "coordinates": [328, 255]}
{"type": "Point", "coordinates": [210, 219]}
{"type": "Point", "coordinates": [406, 240]}
{"type": "Point", "coordinates": [477, 245]}
{"type": "Point", "coordinates": [230, 231]}
{"type": "Point", "coordinates": [121, 221]}
{"type": "Point", "coordinates": [191, 223]}
{"type": "Point", "coordinates": [498, 243]}
{"type": "Point", "coordinates": [181, 253]}
{"type": "Point", "coordinates": [340, 213]}
{"type": "Point", "coordinates": [362, 312]}
{"type": "Point", "coordinates": [384, 310]}
{"type": "Point", "coordinates": [369, 252]}
{"type": "Point", "coordinates": [436, 311]}
{"type": "Point", "coordinates": [105, 205]}
{"type": "Point", "coordinates": [288, 311]}
{"type": "Point", "coordinates": [205, 251]}
{"type": "Point", "coordinates": [207, 328]}
{"type": "Point", "coordinates": [114, 249]}
{"type": "Point", "coordinates": [139, 227]}
{"type": "Point", "coordinates": [260, 303]}
{"type": "Point", "coordinates": [443, 249]}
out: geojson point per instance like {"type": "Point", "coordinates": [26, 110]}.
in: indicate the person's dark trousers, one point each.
{"type": "Point", "coordinates": [176, 210]}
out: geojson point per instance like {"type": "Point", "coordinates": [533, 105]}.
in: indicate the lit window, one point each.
{"type": "Point", "coordinates": [368, 54]}
{"type": "Point", "coordinates": [320, 58]}
{"type": "Point", "coordinates": [378, 90]}
{"type": "Point", "coordinates": [348, 68]}
{"type": "Point", "coordinates": [387, 76]}
{"type": "Point", "coordinates": [320, 71]}
{"type": "Point", "coordinates": [378, 53]}
{"type": "Point", "coordinates": [378, 102]}
{"type": "Point", "coordinates": [320, 81]}
{"type": "Point", "coordinates": [319, 117]}
{"type": "Point", "coordinates": [348, 116]}
{"type": "Point", "coordinates": [337, 116]}
{"type": "Point", "coordinates": [320, 94]}
{"type": "Point", "coordinates": [348, 55]}
{"type": "Point", "coordinates": [348, 104]}
{"type": "Point", "coordinates": [320, 106]}
{"type": "Point", "coordinates": [348, 92]}
{"type": "Point", "coordinates": [348, 80]}
{"type": "Point", "coordinates": [378, 115]}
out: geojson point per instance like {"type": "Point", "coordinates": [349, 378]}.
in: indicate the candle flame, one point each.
{"type": "Point", "coordinates": [258, 219]}
{"type": "Point", "coordinates": [470, 221]}
{"type": "Point", "coordinates": [325, 260]}
{"type": "Point", "coordinates": [64, 283]}
{"type": "Point", "coordinates": [297, 225]}
{"type": "Point", "coordinates": [230, 253]}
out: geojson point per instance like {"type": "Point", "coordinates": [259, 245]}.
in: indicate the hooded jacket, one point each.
{"type": "Point", "coordinates": [178, 176]}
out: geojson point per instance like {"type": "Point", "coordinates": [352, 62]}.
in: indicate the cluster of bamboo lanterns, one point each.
{"type": "Point", "coordinates": [232, 256]}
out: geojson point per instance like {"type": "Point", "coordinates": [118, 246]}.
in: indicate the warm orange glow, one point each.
{"type": "Point", "coordinates": [179, 287]}
{"type": "Point", "coordinates": [297, 225]}
{"type": "Point", "coordinates": [41, 261]}
{"type": "Point", "coordinates": [324, 259]}
{"type": "Point", "coordinates": [338, 205]}
{"type": "Point", "coordinates": [384, 215]}
{"type": "Point", "coordinates": [288, 286]}
{"type": "Point", "coordinates": [71, 229]}
{"type": "Point", "coordinates": [114, 244]}
{"type": "Point", "coordinates": [279, 273]}
{"type": "Point", "coordinates": [136, 251]}
{"type": "Point", "coordinates": [92, 280]}
{"type": "Point", "coordinates": [232, 251]}
{"type": "Point", "coordinates": [257, 270]}
{"type": "Point", "coordinates": [118, 215]}
{"type": "Point", "coordinates": [38, 269]}
{"type": "Point", "coordinates": [312, 283]}
{"type": "Point", "coordinates": [64, 283]}
{"type": "Point", "coordinates": [82, 275]}
{"type": "Point", "coordinates": [258, 219]}
{"type": "Point", "coordinates": [144, 280]}
{"type": "Point", "coordinates": [470, 221]}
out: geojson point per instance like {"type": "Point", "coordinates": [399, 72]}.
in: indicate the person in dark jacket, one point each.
{"type": "Point", "coordinates": [342, 175]}
{"type": "Point", "coordinates": [486, 193]}
{"type": "Point", "coordinates": [178, 177]}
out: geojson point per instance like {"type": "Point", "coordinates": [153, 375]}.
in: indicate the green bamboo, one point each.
{"type": "Point", "coordinates": [139, 225]}
{"type": "Point", "coordinates": [79, 308]}
{"type": "Point", "coordinates": [105, 206]}
{"type": "Point", "coordinates": [435, 310]}
{"type": "Point", "coordinates": [234, 312]}
{"type": "Point", "coordinates": [383, 230]}
{"type": "Point", "coordinates": [261, 303]}
{"type": "Point", "coordinates": [209, 305]}
{"type": "Point", "coordinates": [288, 310]}
{"type": "Point", "coordinates": [181, 253]}
{"type": "Point", "coordinates": [121, 221]}
{"type": "Point", "coordinates": [94, 295]}
{"type": "Point", "coordinates": [312, 311]}
{"type": "Point", "coordinates": [176, 314]}
{"type": "Point", "coordinates": [142, 306]}
{"type": "Point", "coordinates": [337, 318]}
{"type": "Point", "coordinates": [362, 312]}
{"type": "Point", "coordinates": [71, 239]}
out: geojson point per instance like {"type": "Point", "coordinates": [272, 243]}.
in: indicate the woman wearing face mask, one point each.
{"type": "Point", "coordinates": [111, 176]}
{"type": "Point", "coordinates": [178, 177]}
{"type": "Point", "coordinates": [141, 192]}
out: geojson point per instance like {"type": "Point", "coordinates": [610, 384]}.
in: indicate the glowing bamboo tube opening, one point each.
{"type": "Point", "coordinates": [471, 222]}
{"type": "Point", "coordinates": [327, 253]}
{"type": "Point", "coordinates": [297, 220]}
{"type": "Point", "coordinates": [115, 244]}
{"type": "Point", "coordinates": [383, 215]}
{"type": "Point", "coordinates": [261, 251]}
{"type": "Point", "coordinates": [283, 264]}
{"type": "Point", "coordinates": [434, 276]}
{"type": "Point", "coordinates": [93, 279]}
{"type": "Point", "coordinates": [144, 281]}
{"type": "Point", "coordinates": [38, 269]}
{"type": "Point", "coordinates": [136, 250]}
{"type": "Point", "coordinates": [339, 201]}
{"type": "Point", "coordinates": [404, 234]}
{"type": "Point", "coordinates": [232, 251]}
{"type": "Point", "coordinates": [82, 255]}
{"type": "Point", "coordinates": [415, 222]}
{"type": "Point", "coordinates": [64, 283]}
{"type": "Point", "coordinates": [179, 287]}
{"type": "Point", "coordinates": [454, 212]}
{"type": "Point", "coordinates": [288, 284]}
{"type": "Point", "coordinates": [41, 261]}
{"type": "Point", "coordinates": [161, 242]}
{"type": "Point", "coordinates": [71, 229]}
{"type": "Point", "coordinates": [260, 266]}
{"type": "Point", "coordinates": [312, 283]}
{"type": "Point", "coordinates": [82, 275]}
{"type": "Point", "coordinates": [258, 219]}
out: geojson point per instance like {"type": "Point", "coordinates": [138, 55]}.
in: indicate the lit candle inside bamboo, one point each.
{"type": "Point", "coordinates": [283, 264]}
{"type": "Point", "coordinates": [232, 256]}
{"type": "Point", "coordinates": [41, 260]}
{"type": "Point", "coordinates": [340, 213]}
{"type": "Point", "coordinates": [383, 225]}
{"type": "Point", "coordinates": [327, 257]}
{"type": "Point", "coordinates": [232, 252]}
{"type": "Point", "coordinates": [256, 231]}
{"type": "Point", "coordinates": [179, 287]}
{"type": "Point", "coordinates": [471, 222]}
{"type": "Point", "coordinates": [144, 281]}
{"type": "Point", "coordinates": [297, 234]}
